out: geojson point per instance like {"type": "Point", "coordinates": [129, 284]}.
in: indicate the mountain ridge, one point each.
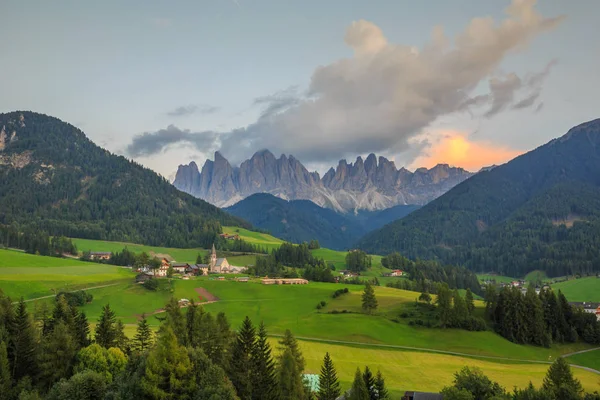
{"type": "Point", "coordinates": [504, 219]}
{"type": "Point", "coordinates": [372, 184]}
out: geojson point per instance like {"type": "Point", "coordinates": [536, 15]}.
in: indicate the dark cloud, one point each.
{"type": "Point", "coordinates": [382, 97]}
{"type": "Point", "coordinates": [192, 109]}
{"type": "Point", "coordinates": [149, 143]}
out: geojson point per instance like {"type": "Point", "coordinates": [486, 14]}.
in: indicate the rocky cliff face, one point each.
{"type": "Point", "coordinates": [372, 184]}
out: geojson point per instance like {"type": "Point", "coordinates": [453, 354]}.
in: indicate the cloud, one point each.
{"type": "Point", "coordinates": [149, 143]}
{"type": "Point", "coordinates": [385, 94]}
{"type": "Point", "coordinates": [192, 109]}
{"type": "Point", "coordinates": [455, 148]}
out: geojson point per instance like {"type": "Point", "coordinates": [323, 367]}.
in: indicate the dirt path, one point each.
{"type": "Point", "coordinates": [70, 291]}
{"type": "Point", "coordinates": [453, 353]}
{"type": "Point", "coordinates": [581, 351]}
{"type": "Point", "coordinates": [206, 295]}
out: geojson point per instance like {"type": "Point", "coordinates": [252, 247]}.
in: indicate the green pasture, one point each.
{"type": "Point", "coordinates": [180, 255]}
{"type": "Point", "coordinates": [590, 359]}
{"type": "Point", "coordinates": [582, 289]}
{"type": "Point", "coordinates": [32, 276]}
{"type": "Point", "coordinates": [259, 239]}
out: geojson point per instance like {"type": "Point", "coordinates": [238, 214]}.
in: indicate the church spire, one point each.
{"type": "Point", "coordinates": [214, 252]}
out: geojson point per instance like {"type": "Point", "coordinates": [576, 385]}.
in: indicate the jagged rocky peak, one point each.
{"type": "Point", "coordinates": [372, 183]}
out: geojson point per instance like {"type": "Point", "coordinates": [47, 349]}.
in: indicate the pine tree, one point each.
{"type": "Point", "coordinates": [5, 379]}
{"type": "Point", "coordinates": [444, 305]}
{"type": "Point", "coordinates": [329, 387]}
{"type": "Point", "coordinates": [459, 310]}
{"type": "Point", "coordinates": [370, 383]}
{"type": "Point", "coordinates": [24, 344]}
{"type": "Point", "coordinates": [491, 300]}
{"type": "Point", "coordinates": [369, 301]}
{"type": "Point", "coordinates": [241, 364]}
{"type": "Point", "coordinates": [289, 342]}
{"type": "Point", "coordinates": [58, 355]}
{"type": "Point", "coordinates": [61, 313]}
{"type": "Point", "coordinates": [382, 392]}
{"type": "Point", "coordinates": [82, 330]}
{"type": "Point", "coordinates": [264, 385]}
{"type": "Point", "coordinates": [121, 340]}
{"type": "Point", "coordinates": [176, 320]}
{"type": "Point", "coordinates": [470, 302]}
{"type": "Point", "coordinates": [290, 384]}
{"type": "Point", "coordinates": [106, 333]}
{"type": "Point", "coordinates": [143, 335]}
{"type": "Point", "coordinates": [535, 320]}
{"type": "Point", "coordinates": [559, 379]}
{"type": "Point", "coordinates": [359, 390]}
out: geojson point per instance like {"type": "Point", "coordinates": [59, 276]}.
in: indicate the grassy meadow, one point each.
{"type": "Point", "coordinates": [582, 289]}
{"type": "Point", "coordinates": [260, 239]}
{"type": "Point", "coordinates": [32, 276]}
{"type": "Point", "coordinates": [590, 359]}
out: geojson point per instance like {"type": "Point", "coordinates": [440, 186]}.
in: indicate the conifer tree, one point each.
{"type": "Point", "coordinates": [459, 309]}
{"type": "Point", "coordinates": [444, 303]}
{"type": "Point", "coordinates": [469, 301]}
{"type": "Point", "coordinates": [223, 344]}
{"type": "Point", "coordinates": [382, 392]}
{"type": "Point", "coordinates": [264, 384]}
{"type": "Point", "coordinates": [560, 381]}
{"type": "Point", "coordinates": [58, 354]}
{"type": "Point", "coordinates": [537, 333]}
{"type": "Point", "coordinates": [106, 333]}
{"type": "Point", "coordinates": [82, 330]}
{"type": "Point", "coordinates": [24, 344]}
{"type": "Point", "coordinates": [5, 379]}
{"type": "Point", "coordinates": [359, 389]}
{"type": "Point", "coordinates": [61, 313]}
{"type": "Point", "coordinates": [143, 335]}
{"type": "Point", "coordinates": [370, 383]}
{"type": "Point", "coordinates": [240, 366]}
{"type": "Point", "coordinates": [491, 300]}
{"type": "Point", "coordinates": [121, 340]}
{"type": "Point", "coordinates": [289, 341]}
{"type": "Point", "coordinates": [329, 387]}
{"type": "Point", "coordinates": [369, 301]}
{"type": "Point", "coordinates": [291, 386]}
{"type": "Point", "coordinates": [176, 320]}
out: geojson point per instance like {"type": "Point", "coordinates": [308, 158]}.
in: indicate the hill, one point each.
{"type": "Point", "coordinates": [540, 211]}
{"type": "Point", "coordinates": [53, 178]}
{"type": "Point", "coordinates": [300, 221]}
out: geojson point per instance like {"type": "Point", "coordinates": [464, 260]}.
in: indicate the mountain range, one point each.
{"type": "Point", "coordinates": [372, 184]}
{"type": "Point", "coordinates": [300, 221]}
{"type": "Point", "coordinates": [53, 178]}
{"type": "Point", "coordinates": [538, 211]}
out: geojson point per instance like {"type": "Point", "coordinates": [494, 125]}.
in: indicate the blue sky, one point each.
{"type": "Point", "coordinates": [121, 69]}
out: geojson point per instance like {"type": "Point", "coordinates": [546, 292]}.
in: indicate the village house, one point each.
{"type": "Point", "coordinates": [100, 255]}
{"type": "Point", "coordinates": [197, 269]}
{"type": "Point", "coordinates": [397, 272]}
{"type": "Point", "coordinates": [180, 268]}
{"type": "Point", "coordinates": [228, 236]}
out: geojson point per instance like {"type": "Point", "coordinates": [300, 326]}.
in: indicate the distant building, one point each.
{"type": "Point", "coordinates": [100, 255]}
{"type": "Point", "coordinates": [228, 236]}
{"type": "Point", "coordinates": [198, 269]}
{"type": "Point", "coordinates": [221, 265]}
{"type": "Point", "coordinates": [284, 281]}
{"type": "Point", "coordinates": [180, 268]}
{"type": "Point", "coordinates": [242, 279]}
{"type": "Point", "coordinates": [422, 396]}
{"type": "Point", "coordinates": [588, 307]}
{"type": "Point", "coordinates": [397, 272]}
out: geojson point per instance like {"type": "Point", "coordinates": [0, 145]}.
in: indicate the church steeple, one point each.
{"type": "Point", "coordinates": [213, 258]}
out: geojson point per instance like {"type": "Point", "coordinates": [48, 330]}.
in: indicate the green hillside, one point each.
{"type": "Point", "coordinates": [53, 178]}
{"type": "Point", "coordinates": [582, 289]}
{"type": "Point", "coordinates": [540, 211]}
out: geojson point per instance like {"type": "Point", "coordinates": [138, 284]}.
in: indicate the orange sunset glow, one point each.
{"type": "Point", "coordinates": [456, 149]}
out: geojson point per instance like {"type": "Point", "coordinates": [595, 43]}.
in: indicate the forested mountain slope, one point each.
{"type": "Point", "coordinates": [53, 178]}
{"type": "Point", "coordinates": [539, 211]}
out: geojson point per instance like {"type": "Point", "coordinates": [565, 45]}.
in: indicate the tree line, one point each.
{"type": "Point", "coordinates": [36, 242]}
{"type": "Point", "coordinates": [194, 355]}
{"type": "Point", "coordinates": [539, 319]}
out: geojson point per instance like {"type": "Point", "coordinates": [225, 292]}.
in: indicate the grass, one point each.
{"type": "Point", "coordinates": [260, 239]}
{"type": "Point", "coordinates": [180, 255]}
{"type": "Point", "coordinates": [410, 370]}
{"type": "Point", "coordinates": [590, 359]}
{"type": "Point", "coordinates": [582, 289]}
{"type": "Point", "coordinates": [32, 276]}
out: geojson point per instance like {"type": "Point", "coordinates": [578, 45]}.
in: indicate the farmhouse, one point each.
{"type": "Point", "coordinates": [397, 272]}
{"type": "Point", "coordinates": [227, 236]}
{"type": "Point", "coordinates": [588, 307]}
{"type": "Point", "coordinates": [100, 255]}
{"type": "Point", "coordinates": [284, 281]}
{"type": "Point", "coordinates": [180, 268]}
{"type": "Point", "coordinates": [198, 269]}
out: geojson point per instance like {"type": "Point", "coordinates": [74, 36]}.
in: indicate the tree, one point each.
{"type": "Point", "coordinates": [168, 373]}
{"type": "Point", "coordinates": [560, 381]}
{"type": "Point", "coordinates": [58, 354]}
{"type": "Point", "coordinates": [143, 335]}
{"type": "Point", "coordinates": [264, 385]}
{"type": "Point", "coordinates": [452, 393]}
{"type": "Point", "coordinates": [170, 271]}
{"type": "Point", "coordinates": [121, 340]}
{"type": "Point", "coordinates": [5, 379]}
{"type": "Point", "coordinates": [329, 387]}
{"type": "Point", "coordinates": [291, 386]}
{"type": "Point", "coordinates": [444, 303]}
{"type": "Point", "coordinates": [176, 320]}
{"type": "Point", "coordinates": [382, 392]}
{"type": "Point", "coordinates": [369, 301]}
{"type": "Point", "coordinates": [107, 362]}
{"type": "Point", "coordinates": [24, 344]}
{"type": "Point", "coordinates": [425, 297]}
{"type": "Point", "coordinates": [241, 364]}
{"type": "Point", "coordinates": [210, 379]}
{"type": "Point", "coordinates": [289, 342]}
{"type": "Point", "coordinates": [475, 382]}
{"type": "Point", "coordinates": [358, 260]}
{"type": "Point", "coordinates": [106, 333]}
{"type": "Point", "coordinates": [359, 389]}
{"type": "Point", "coordinates": [82, 330]}
{"type": "Point", "coordinates": [469, 301]}
{"type": "Point", "coordinates": [536, 327]}
{"type": "Point", "coordinates": [85, 385]}
{"type": "Point", "coordinates": [370, 383]}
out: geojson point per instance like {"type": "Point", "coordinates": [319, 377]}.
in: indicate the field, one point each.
{"type": "Point", "coordinates": [582, 289]}
{"type": "Point", "coordinates": [260, 239]}
{"type": "Point", "coordinates": [34, 276]}
{"type": "Point", "coordinates": [590, 359]}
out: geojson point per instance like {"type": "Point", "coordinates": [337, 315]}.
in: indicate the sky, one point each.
{"type": "Point", "coordinates": [469, 83]}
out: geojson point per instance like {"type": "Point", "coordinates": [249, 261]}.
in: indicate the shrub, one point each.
{"type": "Point", "coordinates": [151, 284]}
{"type": "Point", "coordinates": [323, 303]}
{"type": "Point", "coordinates": [319, 306]}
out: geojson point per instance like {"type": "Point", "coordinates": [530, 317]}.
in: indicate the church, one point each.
{"type": "Point", "coordinates": [218, 265]}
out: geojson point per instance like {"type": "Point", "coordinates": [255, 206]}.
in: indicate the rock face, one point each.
{"type": "Point", "coordinates": [372, 184]}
